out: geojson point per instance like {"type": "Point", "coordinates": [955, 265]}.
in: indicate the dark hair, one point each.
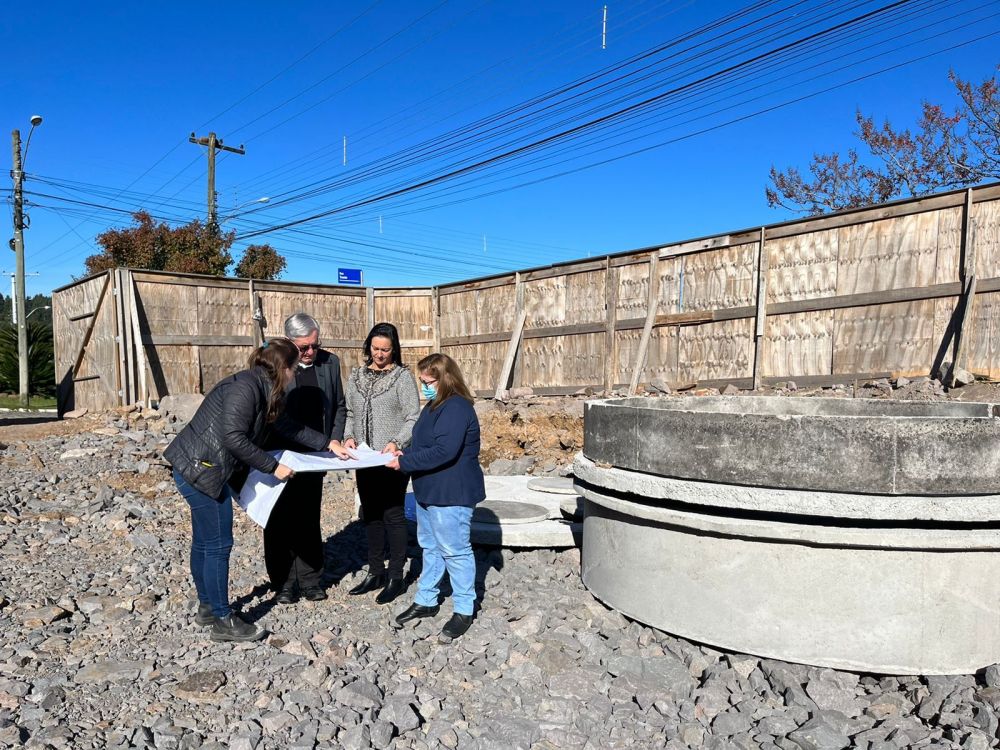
{"type": "Point", "coordinates": [448, 376]}
{"type": "Point", "coordinates": [274, 357]}
{"type": "Point", "coordinates": [385, 331]}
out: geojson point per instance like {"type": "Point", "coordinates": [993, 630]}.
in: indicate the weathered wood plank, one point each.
{"type": "Point", "coordinates": [610, 312]}
{"type": "Point", "coordinates": [140, 349]}
{"type": "Point", "coordinates": [162, 339]}
{"type": "Point", "coordinates": [647, 328]}
{"type": "Point", "coordinates": [508, 362]}
{"type": "Point", "coordinates": [760, 313]}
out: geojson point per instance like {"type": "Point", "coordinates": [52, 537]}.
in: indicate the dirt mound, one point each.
{"type": "Point", "coordinates": [549, 430]}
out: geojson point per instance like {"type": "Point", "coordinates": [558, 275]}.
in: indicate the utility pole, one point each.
{"type": "Point", "coordinates": [214, 144]}
{"type": "Point", "coordinates": [22, 329]}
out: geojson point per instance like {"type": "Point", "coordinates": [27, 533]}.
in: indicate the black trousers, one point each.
{"type": "Point", "coordinates": [293, 539]}
{"type": "Point", "coordinates": [383, 492]}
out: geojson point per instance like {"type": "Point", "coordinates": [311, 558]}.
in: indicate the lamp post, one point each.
{"type": "Point", "coordinates": [236, 209]}
{"type": "Point", "coordinates": [18, 246]}
{"type": "Point", "coordinates": [36, 309]}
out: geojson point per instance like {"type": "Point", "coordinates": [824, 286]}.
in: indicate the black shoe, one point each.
{"type": "Point", "coordinates": [370, 583]}
{"type": "Point", "coordinates": [204, 616]}
{"type": "Point", "coordinates": [287, 595]}
{"type": "Point", "coordinates": [415, 612]}
{"type": "Point", "coordinates": [392, 589]}
{"type": "Point", "coordinates": [235, 628]}
{"type": "Point", "coordinates": [314, 593]}
{"type": "Point", "coordinates": [455, 627]}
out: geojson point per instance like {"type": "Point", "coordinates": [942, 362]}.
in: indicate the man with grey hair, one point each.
{"type": "Point", "coordinates": [293, 538]}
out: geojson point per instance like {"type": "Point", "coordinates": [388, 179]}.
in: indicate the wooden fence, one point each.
{"type": "Point", "coordinates": [893, 290]}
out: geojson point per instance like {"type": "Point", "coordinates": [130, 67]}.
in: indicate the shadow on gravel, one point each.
{"type": "Point", "coordinates": [261, 591]}
{"type": "Point", "coordinates": [346, 553]}
{"type": "Point", "coordinates": [27, 418]}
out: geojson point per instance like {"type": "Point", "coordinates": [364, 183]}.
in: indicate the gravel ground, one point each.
{"type": "Point", "coordinates": [100, 651]}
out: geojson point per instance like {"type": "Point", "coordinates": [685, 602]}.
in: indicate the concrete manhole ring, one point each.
{"type": "Point", "coordinates": [572, 507]}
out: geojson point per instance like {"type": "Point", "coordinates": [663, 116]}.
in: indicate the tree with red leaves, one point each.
{"type": "Point", "coordinates": [946, 151]}
{"type": "Point", "coordinates": [192, 248]}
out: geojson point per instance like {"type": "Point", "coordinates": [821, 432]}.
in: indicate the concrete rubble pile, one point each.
{"type": "Point", "coordinates": [99, 648]}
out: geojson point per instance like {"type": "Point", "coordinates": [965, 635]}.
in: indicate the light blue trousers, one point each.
{"type": "Point", "coordinates": [443, 534]}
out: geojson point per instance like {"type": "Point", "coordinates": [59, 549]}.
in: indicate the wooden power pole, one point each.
{"type": "Point", "coordinates": [214, 144]}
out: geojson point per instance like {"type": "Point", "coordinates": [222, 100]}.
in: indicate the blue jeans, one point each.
{"type": "Point", "coordinates": [211, 543]}
{"type": "Point", "coordinates": [443, 534]}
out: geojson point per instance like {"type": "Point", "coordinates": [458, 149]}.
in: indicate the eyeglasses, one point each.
{"type": "Point", "coordinates": [428, 382]}
{"type": "Point", "coordinates": [308, 347]}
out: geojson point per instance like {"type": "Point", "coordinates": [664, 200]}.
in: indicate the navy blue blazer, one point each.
{"type": "Point", "coordinates": [443, 457]}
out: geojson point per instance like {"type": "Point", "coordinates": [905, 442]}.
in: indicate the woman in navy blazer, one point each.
{"type": "Point", "coordinates": [443, 461]}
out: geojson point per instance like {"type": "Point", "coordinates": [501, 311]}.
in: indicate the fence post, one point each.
{"type": "Point", "coordinates": [140, 351]}
{"type": "Point", "coordinates": [256, 315]}
{"type": "Point", "coordinates": [758, 338]}
{"type": "Point", "coordinates": [652, 302]}
{"type": "Point", "coordinates": [965, 325]}
{"type": "Point", "coordinates": [436, 318]}
{"type": "Point", "coordinates": [610, 319]}
{"type": "Point", "coordinates": [508, 374]}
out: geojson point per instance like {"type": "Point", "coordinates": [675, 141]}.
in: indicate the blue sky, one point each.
{"type": "Point", "coordinates": [122, 86]}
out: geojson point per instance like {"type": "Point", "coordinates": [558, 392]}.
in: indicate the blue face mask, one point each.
{"type": "Point", "coordinates": [429, 392]}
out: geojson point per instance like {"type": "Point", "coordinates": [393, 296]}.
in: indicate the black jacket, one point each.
{"type": "Point", "coordinates": [334, 407]}
{"type": "Point", "coordinates": [224, 435]}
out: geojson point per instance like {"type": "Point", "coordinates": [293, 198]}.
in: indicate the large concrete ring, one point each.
{"type": "Point", "coordinates": [905, 583]}
{"type": "Point", "coordinates": [840, 445]}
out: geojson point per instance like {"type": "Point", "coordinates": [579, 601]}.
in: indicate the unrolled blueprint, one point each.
{"type": "Point", "coordinates": [262, 491]}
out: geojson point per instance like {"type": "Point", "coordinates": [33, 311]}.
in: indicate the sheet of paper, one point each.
{"type": "Point", "coordinates": [261, 491]}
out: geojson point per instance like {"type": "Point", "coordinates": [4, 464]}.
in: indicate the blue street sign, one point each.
{"type": "Point", "coordinates": [350, 276]}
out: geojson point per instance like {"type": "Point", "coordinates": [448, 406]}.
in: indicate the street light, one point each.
{"type": "Point", "coordinates": [18, 246]}
{"type": "Point", "coordinates": [236, 210]}
{"type": "Point", "coordinates": [36, 309]}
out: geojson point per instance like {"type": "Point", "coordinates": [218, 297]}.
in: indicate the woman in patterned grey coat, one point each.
{"type": "Point", "coordinates": [382, 407]}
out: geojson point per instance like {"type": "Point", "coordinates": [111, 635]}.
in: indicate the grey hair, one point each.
{"type": "Point", "coordinates": [300, 325]}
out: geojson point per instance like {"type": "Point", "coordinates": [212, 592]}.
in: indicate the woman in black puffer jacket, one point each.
{"type": "Point", "coordinates": [211, 457]}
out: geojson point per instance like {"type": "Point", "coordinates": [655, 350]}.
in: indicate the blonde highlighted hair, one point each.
{"type": "Point", "coordinates": [449, 378]}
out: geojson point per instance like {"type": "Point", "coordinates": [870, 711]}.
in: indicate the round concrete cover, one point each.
{"type": "Point", "coordinates": [504, 512]}
{"type": "Point", "coordinates": [555, 485]}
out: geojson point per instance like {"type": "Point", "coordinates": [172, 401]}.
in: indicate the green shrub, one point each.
{"type": "Point", "coordinates": [41, 360]}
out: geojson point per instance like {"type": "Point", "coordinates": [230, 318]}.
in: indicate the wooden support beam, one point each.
{"type": "Point", "coordinates": [121, 341]}
{"type": "Point", "coordinates": [78, 360]}
{"type": "Point", "coordinates": [761, 311]}
{"type": "Point", "coordinates": [652, 299]}
{"type": "Point", "coordinates": [965, 325]}
{"type": "Point", "coordinates": [506, 370]}
{"type": "Point", "coordinates": [517, 374]}
{"type": "Point", "coordinates": [370, 307]}
{"type": "Point", "coordinates": [436, 319]}
{"type": "Point", "coordinates": [417, 292]}
{"type": "Point", "coordinates": [140, 349]}
{"type": "Point", "coordinates": [186, 339]}
{"type": "Point", "coordinates": [256, 315]}
{"type": "Point", "coordinates": [82, 316]}
{"type": "Point", "coordinates": [610, 318]}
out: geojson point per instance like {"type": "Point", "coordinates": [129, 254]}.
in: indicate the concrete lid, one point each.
{"type": "Point", "coordinates": [554, 485]}
{"type": "Point", "coordinates": [508, 512]}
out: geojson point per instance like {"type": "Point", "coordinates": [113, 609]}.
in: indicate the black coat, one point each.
{"type": "Point", "coordinates": [225, 434]}
{"type": "Point", "coordinates": [334, 407]}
